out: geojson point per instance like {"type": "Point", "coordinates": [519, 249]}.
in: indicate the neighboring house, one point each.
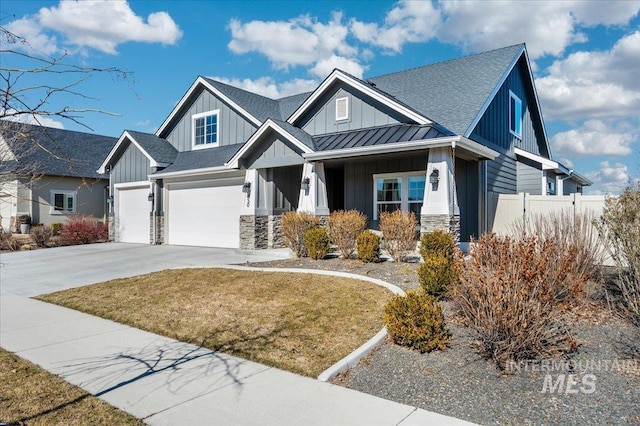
{"type": "Point", "coordinates": [50, 174]}
{"type": "Point", "coordinates": [436, 140]}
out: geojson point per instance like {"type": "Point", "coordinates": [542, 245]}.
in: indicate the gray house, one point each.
{"type": "Point", "coordinates": [50, 174]}
{"type": "Point", "coordinates": [436, 140]}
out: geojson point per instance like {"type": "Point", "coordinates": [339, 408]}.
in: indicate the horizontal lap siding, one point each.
{"type": "Point", "coordinates": [232, 127]}
{"type": "Point", "coordinates": [501, 175]}
{"type": "Point", "coordinates": [529, 179]}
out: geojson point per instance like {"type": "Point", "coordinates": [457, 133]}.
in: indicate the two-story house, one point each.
{"type": "Point", "coordinates": [437, 140]}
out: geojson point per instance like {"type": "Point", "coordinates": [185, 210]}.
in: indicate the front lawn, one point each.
{"type": "Point", "coordinates": [303, 323]}
{"type": "Point", "coordinates": [31, 395]}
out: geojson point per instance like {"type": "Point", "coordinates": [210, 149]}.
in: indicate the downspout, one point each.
{"type": "Point", "coordinates": [153, 212]}
{"type": "Point", "coordinates": [562, 180]}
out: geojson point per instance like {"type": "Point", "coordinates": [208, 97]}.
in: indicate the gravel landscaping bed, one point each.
{"type": "Point", "coordinates": [458, 383]}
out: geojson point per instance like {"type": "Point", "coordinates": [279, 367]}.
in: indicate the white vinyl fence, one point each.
{"type": "Point", "coordinates": [504, 209]}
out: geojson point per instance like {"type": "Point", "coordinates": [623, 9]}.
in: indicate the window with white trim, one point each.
{"type": "Point", "coordinates": [342, 109]}
{"type": "Point", "coordinates": [398, 191]}
{"type": "Point", "coordinates": [63, 201]}
{"type": "Point", "coordinates": [515, 115]}
{"type": "Point", "coordinates": [205, 129]}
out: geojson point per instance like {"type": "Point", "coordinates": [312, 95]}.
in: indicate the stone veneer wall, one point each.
{"type": "Point", "coordinates": [254, 232]}
{"type": "Point", "coordinates": [429, 223]}
{"type": "Point", "coordinates": [275, 239]}
{"type": "Point", "coordinates": [160, 228]}
{"type": "Point", "coordinates": [111, 223]}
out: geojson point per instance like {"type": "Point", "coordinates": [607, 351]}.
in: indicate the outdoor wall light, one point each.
{"type": "Point", "coordinates": [110, 199]}
{"type": "Point", "coordinates": [434, 178]}
{"type": "Point", "coordinates": [150, 197]}
{"type": "Point", "coordinates": [246, 188]}
{"type": "Point", "coordinates": [304, 185]}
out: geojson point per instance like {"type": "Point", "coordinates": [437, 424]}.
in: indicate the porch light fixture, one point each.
{"type": "Point", "coordinates": [150, 197]}
{"type": "Point", "coordinates": [110, 199]}
{"type": "Point", "coordinates": [434, 178]}
{"type": "Point", "coordinates": [246, 188]}
{"type": "Point", "coordinates": [304, 185]}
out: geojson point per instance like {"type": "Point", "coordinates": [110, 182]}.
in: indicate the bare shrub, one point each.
{"type": "Point", "coordinates": [575, 234]}
{"type": "Point", "coordinates": [8, 242]}
{"type": "Point", "coordinates": [620, 228]}
{"type": "Point", "coordinates": [509, 293]}
{"type": "Point", "coordinates": [344, 228]}
{"type": "Point", "coordinates": [399, 232]}
{"type": "Point", "coordinates": [82, 230]}
{"type": "Point", "coordinates": [294, 226]}
{"type": "Point", "coordinates": [40, 235]}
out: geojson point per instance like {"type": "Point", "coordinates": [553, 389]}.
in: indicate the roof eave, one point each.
{"type": "Point", "coordinates": [116, 147]}
{"type": "Point", "coordinates": [192, 172]}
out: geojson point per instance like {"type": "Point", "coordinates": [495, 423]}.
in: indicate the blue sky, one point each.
{"type": "Point", "coordinates": [585, 56]}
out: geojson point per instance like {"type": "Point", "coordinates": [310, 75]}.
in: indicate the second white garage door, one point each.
{"type": "Point", "coordinates": [205, 214]}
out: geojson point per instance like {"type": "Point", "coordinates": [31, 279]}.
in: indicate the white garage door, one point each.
{"type": "Point", "coordinates": [133, 215]}
{"type": "Point", "coordinates": [205, 214]}
{"type": "Point", "coordinates": [7, 205]}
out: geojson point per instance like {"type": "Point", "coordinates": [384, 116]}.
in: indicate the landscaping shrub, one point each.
{"type": "Point", "coordinates": [399, 231]}
{"type": "Point", "coordinates": [436, 274]}
{"type": "Point", "coordinates": [437, 242]}
{"type": "Point", "coordinates": [317, 243]}
{"type": "Point", "coordinates": [510, 292]}
{"type": "Point", "coordinates": [620, 228]}
{"type": "Point", "coordinates": [344, 228]}
{"type": "Point", "coordinates": [368, 247]}
{"type": "Point", "coordinates": [7, 242]}
{"type": "Point", "coordinates": [294, 226]}
{"type": "Point", "coordinates": [576, 234]}
{"type": "Point", "coordinates": [82, 230]}
{"type": "Point", "coordinates": [40, 235]}
{"type": "Point", "coordinates": [416, 321]}
{"type": "Point", "coordinates": [55, 227]}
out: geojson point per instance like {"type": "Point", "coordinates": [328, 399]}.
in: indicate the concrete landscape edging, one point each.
{"type": "Point", "coordinates": [365, 349]}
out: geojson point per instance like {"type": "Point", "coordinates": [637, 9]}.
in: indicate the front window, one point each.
{"type": "Point", "coordinates": [63, 201]}
{"type": "Point", "coordinates": [205, 129]}
{"type": "Point", "coordinates": [515, 115]}
{"type": "Point", "coordinates": [401, 191]}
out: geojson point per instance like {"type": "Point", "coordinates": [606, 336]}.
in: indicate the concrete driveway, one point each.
{"type": "Point", "coordinates": [30, 273]}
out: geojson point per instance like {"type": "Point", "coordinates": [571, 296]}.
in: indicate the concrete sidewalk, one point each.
{"type": "Point", "coordinates": [166, 382]}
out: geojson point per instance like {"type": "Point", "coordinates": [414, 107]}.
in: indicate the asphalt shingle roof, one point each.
{"type": "Point", "coordinates": [54, 152]}
{"type": "Point", "coordinates": [297, 133]}
{"type": "Point", "coordinates": [202, 158]}
{"type": "Point", "coordinates": [158, 148]}
{"type": "Point", "coordinates": [453, 92]}
{"type": "Point", "coordinates": [378, 136]}
{"type": "Point", "coordinates": [259, 106]}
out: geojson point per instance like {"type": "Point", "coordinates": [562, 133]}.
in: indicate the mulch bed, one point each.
{"type": "Point", "coordinates": [459, 383]}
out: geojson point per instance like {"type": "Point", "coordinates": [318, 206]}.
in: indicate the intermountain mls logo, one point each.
{"type": "Point", "coordinates": [571, 377]}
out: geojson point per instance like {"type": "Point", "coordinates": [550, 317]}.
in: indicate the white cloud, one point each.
{"type": "Point", "coordinates": [39, 120]}
{"type": "Point", "coordinates": [594, 138]}
{"type": "Point", "coordinates": [301, 41]}
{"type": "Point", "coordinates": [597, 84]}
{"type": "Point", "coordinates": [267, 86]}
{"type": "Point", "coordinates": [609, 179]}
{"type": "Point", "coordinates": [100, 25]}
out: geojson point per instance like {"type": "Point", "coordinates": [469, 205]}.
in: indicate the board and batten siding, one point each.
{"type": "Point", "coordinates": [467, 194]}
{"type": "Point", "coordinates": [364, 112]}
{"type": "Point", "coordinates": [132, 166]}
{"type": "Point", "coordinates": [529, 179]}
{"type": "Point", "coordinates": [274, 152]}
{"type": "Point", "coordinates": [232, 127]}
{"type": "Point", "coordinates": [494, 125]}
{"type": "Point", "coordinates": [358, 179]}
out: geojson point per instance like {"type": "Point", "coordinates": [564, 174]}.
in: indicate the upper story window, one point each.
{"type": "Point", "coordinates": [515, 115]}
{"type": "Point", "coordinates": [342, 109]}
{"type": "Point", "coordinates": [63, 201]}
{"type": "Point", "coordinates": [205, 129]}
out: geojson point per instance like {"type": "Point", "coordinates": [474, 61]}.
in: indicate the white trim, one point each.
{"type": "Point", "coordinates": [129, 185]}
{"type": "Point", "coordinates": [269, 124]}
{"type": "Point", "coordinates": [66, 192]}
{"type": "Point", "coordinates": [535, 97]}
{"type": "Point", "coordinates": [495, 91]}
{"type": "Point", "coordinates": [518, 101]}
{"type": "Point", "coordinates": [339, 75]}
{"type": "Point", "coordinates": [201, 81]}
{"type": "Point", "coordinates": [404, 189]}
{"type": "Point", "coordinates": [204, 115]}
{"type": "Point", "coordinates": [457, 141]}
{"type": "Point", "coordinates": [116, 147]}
{"type": "Point", "coordinates": [546, 163]}
{"type": "Point", "coordinates": [345, 117]}
{"type": "Point", "coordinates": [192, 172]}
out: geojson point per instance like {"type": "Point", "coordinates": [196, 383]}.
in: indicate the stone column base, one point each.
{"type": "Point", "coordinates": [111, 227]}
{"type": "Point", "coordinates": [429, 223]}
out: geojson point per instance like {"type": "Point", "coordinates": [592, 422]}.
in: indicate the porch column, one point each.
{"type": "Point", "coordinates": [440, 208]}
{"type": "Point", "coordinates": [253, 218]}
{"type": "Point", "coordinates": [313, 199]}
